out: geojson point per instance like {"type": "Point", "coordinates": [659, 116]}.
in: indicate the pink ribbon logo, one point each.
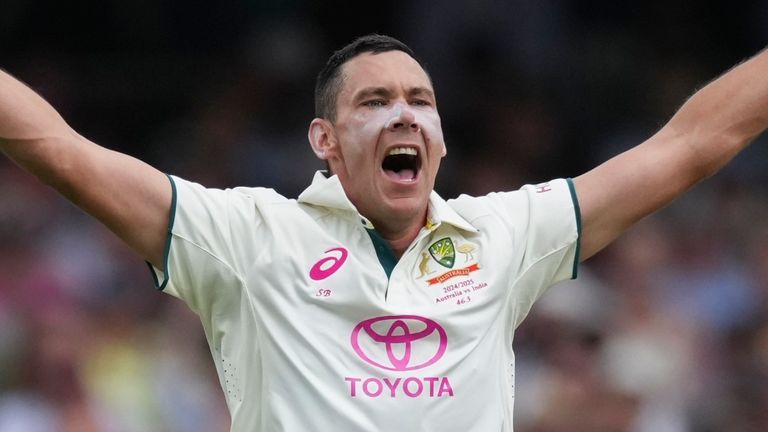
{"type": "Point", "coordinates": [399, 342]}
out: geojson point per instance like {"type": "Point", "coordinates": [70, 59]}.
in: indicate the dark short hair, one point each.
{"type": "Point", "coordinates": [329, 80]}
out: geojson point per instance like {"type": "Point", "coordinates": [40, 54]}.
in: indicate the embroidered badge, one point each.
{"type": "Point", "coordinates": [456, 285]}
{"type": "Point", "coordinates": [443, 252]}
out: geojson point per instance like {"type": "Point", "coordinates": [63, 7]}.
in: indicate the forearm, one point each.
{"type": "Point", "coordinates": [24, 115]}
{"type": "Point", "coordinates": [710, 129]}
{"type": "Point", "coordinates": [722, 118]}
{"type": "Point", "coordinates": [31, 131]}
{"type": "Point", "coordinates": [37, 138]}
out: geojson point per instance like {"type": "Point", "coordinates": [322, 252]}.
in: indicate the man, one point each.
{"type": "Point", "coordinates": [370, 303]}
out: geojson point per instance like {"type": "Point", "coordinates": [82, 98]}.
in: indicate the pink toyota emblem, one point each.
{"type": "Point", "coordinates": [399, 342]}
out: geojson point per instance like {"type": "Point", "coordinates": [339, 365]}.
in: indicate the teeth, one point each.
{"type": "Point", "coordinates": [402, 150]}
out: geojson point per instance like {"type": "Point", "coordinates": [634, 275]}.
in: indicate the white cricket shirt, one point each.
{"type": "Point", "coordinates": [314, 326]}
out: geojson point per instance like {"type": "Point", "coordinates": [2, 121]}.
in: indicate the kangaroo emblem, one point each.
{"type": "Point", "coordinates": [424, 265]}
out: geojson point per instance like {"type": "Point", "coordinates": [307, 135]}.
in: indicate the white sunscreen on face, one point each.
{"type": "Point", "coordinates": [395, 116]}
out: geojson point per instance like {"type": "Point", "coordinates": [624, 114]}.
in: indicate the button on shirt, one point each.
{"type": "Point", "coordinates": [315, 326]}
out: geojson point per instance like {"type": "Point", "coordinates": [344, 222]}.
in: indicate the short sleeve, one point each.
{"type": "Point", "coordinates": [554, 228]}
{"type": "Point", "coordinates": [551, 239]}
{"type": "Point", "coordinates": [537, 228]}
{"type": "Point", "coordinates": [204, 255]}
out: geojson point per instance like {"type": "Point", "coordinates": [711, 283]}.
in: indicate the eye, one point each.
{"type": "Point", "coordinates": [421, 102]}
{"type": "Point", "coordinates": [375, 103]}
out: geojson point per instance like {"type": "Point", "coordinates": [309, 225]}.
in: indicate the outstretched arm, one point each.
{"type": "Point", "coordinates": [714, 125]}
{"type": "Point", "coordinates": [128, 196]}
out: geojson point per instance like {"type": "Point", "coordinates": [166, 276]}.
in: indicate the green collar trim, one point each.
{"type": "Point", "coordinates": [385, 254]}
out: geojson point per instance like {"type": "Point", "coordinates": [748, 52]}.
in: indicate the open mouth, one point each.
{"type": "Point", "coordinates": [402, 164]}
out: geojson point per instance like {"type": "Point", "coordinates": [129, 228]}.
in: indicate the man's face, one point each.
{"type": "Point", "coordinates": [387, 141]}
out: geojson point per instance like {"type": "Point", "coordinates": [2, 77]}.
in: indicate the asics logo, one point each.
{"type": "Point", "coordinates": [327, 266]}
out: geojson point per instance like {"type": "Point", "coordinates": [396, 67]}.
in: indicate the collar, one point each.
{"type": "Point", "coordinates": [328, 192]}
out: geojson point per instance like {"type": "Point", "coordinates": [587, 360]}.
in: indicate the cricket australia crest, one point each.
{"type": "Point", "coordinates": [443, 252]}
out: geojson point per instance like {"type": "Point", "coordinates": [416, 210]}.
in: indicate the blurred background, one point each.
{"type": "Point", "coordinates": [666, 330]}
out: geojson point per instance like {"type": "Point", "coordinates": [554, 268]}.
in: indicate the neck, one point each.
{"type": "Point", "coordinates": [400, 237]}
{"type": "Point", "coordinates": [400, 242]}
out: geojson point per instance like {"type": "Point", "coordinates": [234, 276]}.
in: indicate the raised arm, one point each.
{"type": "Point", "coordinates": [128, 196]}
{"type": "Point", "coordinates": [714, 125]}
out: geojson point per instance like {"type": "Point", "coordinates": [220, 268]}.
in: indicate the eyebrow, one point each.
{"type": "Point", "coordinates": [372, 91]}
{"type": "Point", "coordinates": [421, 91]}
{"type": "Point", "coordinates": [385, 92]}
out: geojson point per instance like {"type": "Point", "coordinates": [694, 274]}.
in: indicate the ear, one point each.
{"type": "Point", "coordinates": [322, 138]}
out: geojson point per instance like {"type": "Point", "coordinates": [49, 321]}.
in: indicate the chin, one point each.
{"type": "Point", "coordinates": [408, 206]}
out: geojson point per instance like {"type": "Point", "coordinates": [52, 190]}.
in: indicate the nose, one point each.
{"type": "Point", "coordinates": [402, 119]}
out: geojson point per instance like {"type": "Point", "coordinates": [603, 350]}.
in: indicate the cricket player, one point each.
{"type": "Point", "coordinates": [370, 303]}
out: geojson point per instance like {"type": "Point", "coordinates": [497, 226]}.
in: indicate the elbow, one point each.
{"type": "Point", "coordinates": [703, 167]}
{"type": "Point", "coordinates": [55, 161]}
{"type": "Point", "coordinates": [707, 152]}
{"type": "Point", "coordinates": [717, 150]}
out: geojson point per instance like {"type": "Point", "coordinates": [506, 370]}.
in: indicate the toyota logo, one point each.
{"type": "Point", "coordinates": [399, 342]}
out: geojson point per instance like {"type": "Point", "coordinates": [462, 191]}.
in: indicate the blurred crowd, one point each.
{"type": "Point", "coordinates": [664, 331]}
